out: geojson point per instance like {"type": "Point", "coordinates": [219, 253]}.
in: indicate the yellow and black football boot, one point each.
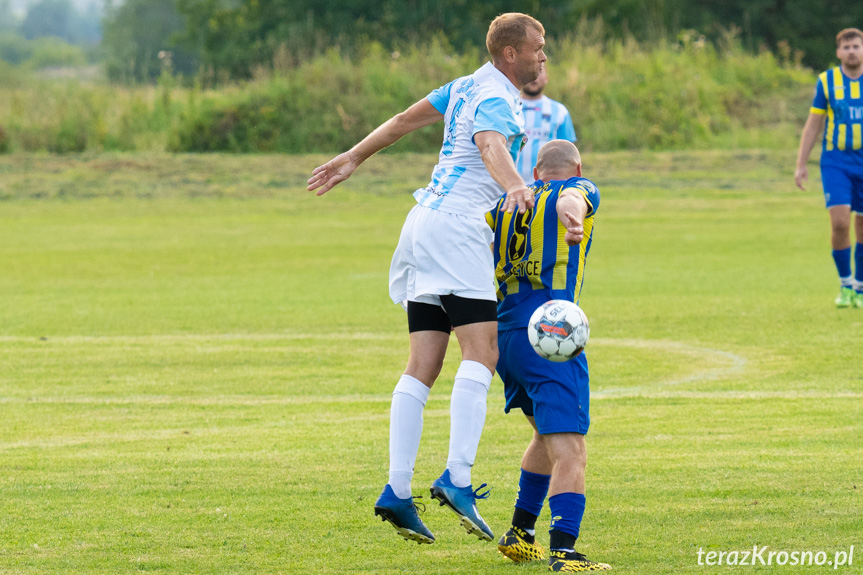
{"type": "Point", "coordinates": [572, 562]}
{"type": "Point", "coordinates": [518, 545]}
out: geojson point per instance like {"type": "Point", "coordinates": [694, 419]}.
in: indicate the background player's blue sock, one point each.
{"type": "Point", "coordinates": [567, 509]}
{"type": "Point", "coordinates": [858, 267]}
{"type": "Point", "coordinates": [843, 264]}
{"type": "Point", "coordinates": [532, 489]}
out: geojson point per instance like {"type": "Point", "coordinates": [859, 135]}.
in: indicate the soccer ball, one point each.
{"type": "Point", "coordinates": [558, 330]}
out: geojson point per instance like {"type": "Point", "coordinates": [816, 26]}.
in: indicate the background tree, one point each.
{"type": "Point", "coordinates": [234, 37]}
{"type": "Point", "coordinates": [49, 18]}
{"type": "Point", "coordinates": [7, 18]}
{"type": "Point", "coordinates": [56, 19]}
{"type": "Point", "coordinates": [136, 32]}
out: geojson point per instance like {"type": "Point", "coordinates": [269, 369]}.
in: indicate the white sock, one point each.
{"type": "Point", "coordinates": [847, 282]}
{"type": "Point", "coordinates": [467, 416]}
{"type": "Point", "coordinates": [406, 427]}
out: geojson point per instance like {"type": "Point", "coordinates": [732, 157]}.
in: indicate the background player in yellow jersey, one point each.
{"type": "Point", "coordinates": [540, 255]}
{"type": "Point", "coordinates": [838, 103]}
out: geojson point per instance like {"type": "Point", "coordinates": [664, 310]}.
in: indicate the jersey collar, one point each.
{"type": "Point", "coordinates": [488, 68]}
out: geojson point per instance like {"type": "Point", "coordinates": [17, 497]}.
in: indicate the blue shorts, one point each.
{"type": "Point", "coordinates": [557, 395]}
{"type": "Point", "coordinates": [843, 186]}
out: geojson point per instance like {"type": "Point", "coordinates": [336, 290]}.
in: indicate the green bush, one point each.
{"type": "Point", "coordinates": [64, 116]}
{"type": "Point", "coordinates": [674, 95]}
{"type": "Point", "coordinates": [52, 52]}
{"type": "Point", "coordinates": [39, 53]}
{"type": "Point", "coordinates": [14, 48]}
{"type": "Point", "coordinates": [622, 95]}
{"type": "Point", "coordinates": [326, 104]}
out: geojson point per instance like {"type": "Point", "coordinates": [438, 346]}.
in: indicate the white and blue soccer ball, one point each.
{"type": "Point", "coordinates": [558, 330]}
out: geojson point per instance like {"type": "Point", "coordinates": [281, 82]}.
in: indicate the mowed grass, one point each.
{"type": "Point", "coordinates": [197, 357]}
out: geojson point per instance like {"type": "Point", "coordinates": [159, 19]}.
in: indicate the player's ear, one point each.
{"type": "Point", "coordinates": [578, 170]}
{"type": "Point", "coordinates": [535, 173]}
{"type": "Point", "coordinates": [510, 54]}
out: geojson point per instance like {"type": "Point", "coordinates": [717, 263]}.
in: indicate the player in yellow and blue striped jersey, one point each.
{"type": "Point", "coordinates": [837, 113]}
{"type": "Point", "coordinates": [539, 256]}
{"type": "Point", "coordinates": [533, 263]}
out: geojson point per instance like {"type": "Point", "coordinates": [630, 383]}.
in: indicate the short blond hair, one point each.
{"type": "Point", "coordinates": [557, 157]}
{"type": "Point", "coordinates": [510, 29]}
{"type": "Point", "coordinates": [848, 34]}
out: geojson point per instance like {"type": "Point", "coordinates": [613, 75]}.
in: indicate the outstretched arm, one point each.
{"type": "Point", "coordinates": [571, 210]}
{"type": "Point", "coordinates": [340, 168]}
{"type": "Point", "coordinates": [814, 127]}
{"type": "Point", "coordinates": [495, 156]}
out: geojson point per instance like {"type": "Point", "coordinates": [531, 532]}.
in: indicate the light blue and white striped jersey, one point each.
{"type": "Point", "coordinates": [485, 100]}
{"type": "Point", "coordinates": [544, 120]}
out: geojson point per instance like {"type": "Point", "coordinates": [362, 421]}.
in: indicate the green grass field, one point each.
{"type": "Point", "coordinates": [197, 357]}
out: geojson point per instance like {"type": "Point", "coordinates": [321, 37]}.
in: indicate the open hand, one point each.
{"type": "Point", "coordinates": [332, 173]}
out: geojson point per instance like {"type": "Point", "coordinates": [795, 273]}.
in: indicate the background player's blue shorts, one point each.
{"type": "Point", "coordinates": [557, 395]}
{"type": "Point", "coordinates": [843, 186]}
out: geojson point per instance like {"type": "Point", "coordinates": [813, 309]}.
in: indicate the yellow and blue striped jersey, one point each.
{"type": "Point", "coordinates": [839, 97]}
{"type": "Point", "coordinates": [533, 264]}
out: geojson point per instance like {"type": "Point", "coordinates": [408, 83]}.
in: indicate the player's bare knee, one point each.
{"type": "Point", "coordinates": [479, 344]}
{"type": "Point", "coordinates": [565, 447]}
{"type": "Point", "coordinates": [841, 230]}
{"type": "Point", "coordinates": [574, 460]}
{"type": "Point", "coordinates": [425, 365]}
{"type": "Point", "coordinates": [425, 369]}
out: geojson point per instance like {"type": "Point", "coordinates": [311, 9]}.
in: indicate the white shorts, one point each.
{"type": "Point", "coordinates": [440, 253]}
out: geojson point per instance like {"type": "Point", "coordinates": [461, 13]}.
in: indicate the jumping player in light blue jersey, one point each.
{"type": "Point", "coordinates": [544, 120]}
{"type": "Point", "coordinates": [539, 256]}
{"type": "Point", "coordinates": [442, 270]}
{"type": "Point", "coordinates": [838, 103]}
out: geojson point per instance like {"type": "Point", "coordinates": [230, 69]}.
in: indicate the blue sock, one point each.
{"type": "Point", "coordinates": [843, 262]}
{"type": "Point", "coordinates": [532, 489]}
{"type": "Point", "coordinates": [858, 267]}
{"type": "Point", "coordinates": [567, 509]}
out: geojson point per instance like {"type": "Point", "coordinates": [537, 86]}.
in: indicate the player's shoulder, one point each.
{"type": "Point", "coordinates": [556, 105]}
{"type": "Point", "coordinates": [580, 183]}
{"type": "Point", "coordinates": [491, 83]}
{"type": "Point", "coordinates": [586, 188]}
{"type": "Point", "coordinates": [553, 102]}
{"type": "Point", "coordinates": [831, 72]}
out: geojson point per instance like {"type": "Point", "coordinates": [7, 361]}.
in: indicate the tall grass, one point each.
{"type": "Point", "coordinates": [677, 95]}
{"type": "Point", "coordinates": [622, 95]}
{"type": "Point", "coordinates": [325, 104]}
{"type": "Point", "coordinates": [61, 115]}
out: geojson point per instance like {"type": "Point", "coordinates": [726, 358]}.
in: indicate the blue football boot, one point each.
{"type": "Point", "coordinates": [402, 513]}
{"type": "Point", "coordinates": [462, 500]}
